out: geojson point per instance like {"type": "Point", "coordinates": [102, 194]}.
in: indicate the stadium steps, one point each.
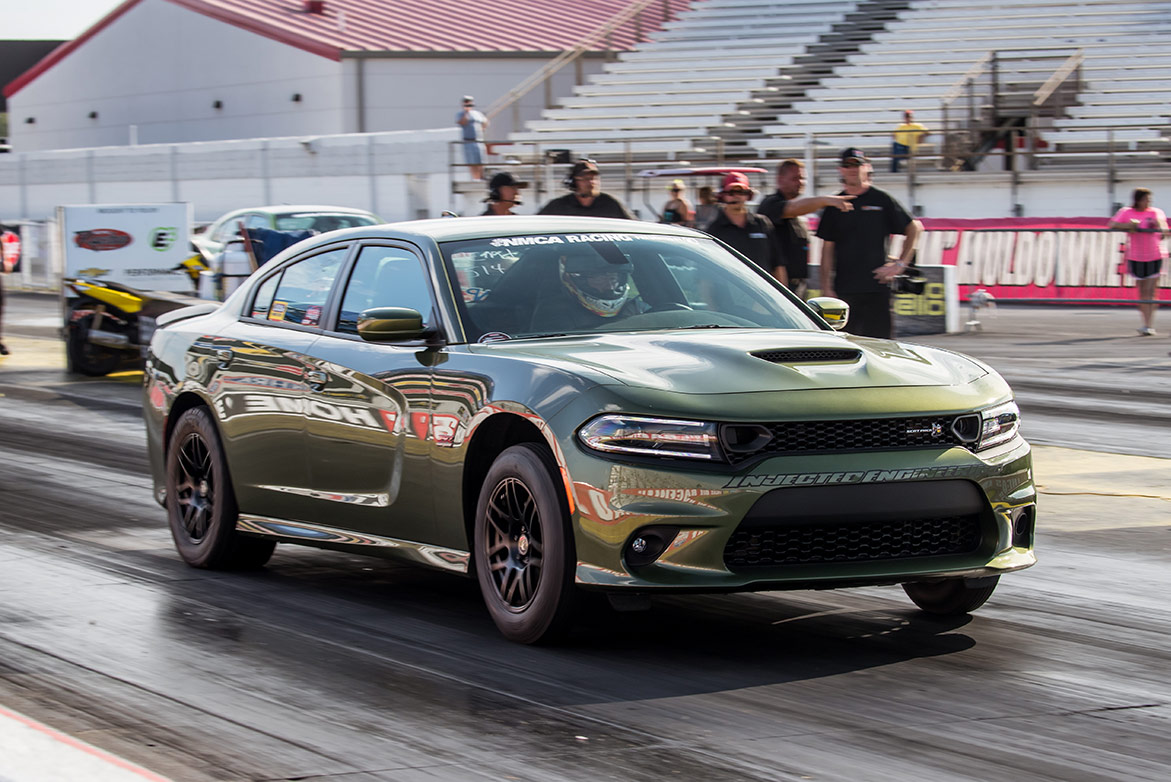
{"type": "Point", "coordinates": [763, 107]}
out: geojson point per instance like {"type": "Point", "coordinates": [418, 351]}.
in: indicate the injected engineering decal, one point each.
{"type": "Point", "coordinates": [857, 476]}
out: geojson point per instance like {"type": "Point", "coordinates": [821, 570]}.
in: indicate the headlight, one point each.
{"type": "Point", "coordinates": [652, 437]}
{"type": "Point", "coordinates": [989, 427]}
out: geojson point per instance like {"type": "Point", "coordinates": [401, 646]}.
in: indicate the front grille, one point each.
{"type": "Point", "coordinates": [810, 544]}
{"type": "Point", "coordinates": [808, 355]}
{"type": "Point", "coordinates": [868, 434]}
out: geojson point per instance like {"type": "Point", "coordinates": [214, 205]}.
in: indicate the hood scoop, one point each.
{"type": "Point", "coordinates": [809, 355]}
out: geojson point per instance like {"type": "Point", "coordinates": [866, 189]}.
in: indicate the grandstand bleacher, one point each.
{"type": "Point", "coordinates": [763, 77]}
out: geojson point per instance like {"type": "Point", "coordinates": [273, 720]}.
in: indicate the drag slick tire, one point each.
{"type": "Point", "coordinates": [950, 596]}
{"type": "Point", "coordinates": [523, 547]}
{"type": "Point", "coordinates": [85, 357]}
{"type": "Point", "coordinates": [201, 506]}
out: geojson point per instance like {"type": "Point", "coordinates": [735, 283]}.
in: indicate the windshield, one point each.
{"type": "Point", "coordinates": [512, 287]}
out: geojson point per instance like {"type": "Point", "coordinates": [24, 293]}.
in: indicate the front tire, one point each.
{"type": "Point", "coordinates": [950, 596]}
{"type": "Point", "coordinates": [201, 505]}
{"type": "Point", "coordinates": [523, 546]}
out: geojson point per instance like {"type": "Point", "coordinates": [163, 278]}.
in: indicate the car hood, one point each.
{"type": "Point", "coordinates": [747, 360]}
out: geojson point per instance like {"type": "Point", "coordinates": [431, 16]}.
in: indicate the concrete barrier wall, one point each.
{"type": "Point", "coordinates": [398, 175]}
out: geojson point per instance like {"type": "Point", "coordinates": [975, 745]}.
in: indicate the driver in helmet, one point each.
{"type": "Point", "coordinates": [594, 290]}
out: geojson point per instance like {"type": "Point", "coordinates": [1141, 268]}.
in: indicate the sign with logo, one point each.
{"type": "Point", "coordinates": [140, 245]}
{"type": "Point", "coordinates": [9, 251]}
{"type": "Point", "coordinates": [934, 311]}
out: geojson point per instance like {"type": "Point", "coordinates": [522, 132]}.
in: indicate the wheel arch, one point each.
{"type": "Point", "coordinates": [184, 402]}
{"type": "Point", "coordinates": [490, 439]}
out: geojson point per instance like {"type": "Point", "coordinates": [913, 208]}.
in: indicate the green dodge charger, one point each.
{"type": "Point", "coordinates": [558, 405]}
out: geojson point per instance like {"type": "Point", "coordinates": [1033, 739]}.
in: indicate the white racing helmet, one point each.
{"type": "Point", "coordinates": [602, 286]}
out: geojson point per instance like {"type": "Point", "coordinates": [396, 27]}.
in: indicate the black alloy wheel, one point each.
{"type": "Point", "coordinates": [523, 546]}
{"type": "Point", "coordinates": [195, 487]}
{"type": "Point", "coordinates": [514, 547]}
{"type": "Point", "coordinates": [201, 505]}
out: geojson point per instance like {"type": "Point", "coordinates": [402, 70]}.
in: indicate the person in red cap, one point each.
{"type": "Point", "coordinates": [747, 233]}
{"type": "Point", "coordinates": [855, 265]}
{"type": "Point", "coordinates": [587, 198]}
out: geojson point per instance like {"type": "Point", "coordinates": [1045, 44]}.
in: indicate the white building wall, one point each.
{"type": "Point", "coordinates": [403, 92]}
{"type": "Point", "coordinates": [161, 67]}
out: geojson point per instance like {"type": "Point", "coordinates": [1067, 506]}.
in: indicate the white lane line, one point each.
{"type": "Point", "coordinates": [33, 752]}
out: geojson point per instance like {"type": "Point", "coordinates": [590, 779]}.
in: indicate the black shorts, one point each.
{"type": "Point", "coordinates": [1145, 270]}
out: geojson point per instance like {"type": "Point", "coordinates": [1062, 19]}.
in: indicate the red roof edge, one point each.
{"type": "Point", "coordinates": [258, 27]}
{"type": "Point", "coordinates": [65, 49]}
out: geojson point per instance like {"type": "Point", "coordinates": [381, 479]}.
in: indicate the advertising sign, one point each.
{"type": "Point", "coordinates": [934, 311]}
{"type": "Point", "coordinates": [140, 245]}
{"type": "Point", "coordinates": [1032, 258]}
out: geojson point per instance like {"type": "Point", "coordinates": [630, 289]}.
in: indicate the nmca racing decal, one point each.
{"type": "Point", "coordinates": [858, 476]}
{"type": "Point", "coordinates": [100, 239]}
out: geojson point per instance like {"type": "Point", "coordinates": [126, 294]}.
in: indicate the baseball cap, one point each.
{"type": "Point", "coordinates": [505, 179]}
{"type": "Point", "coordinates": [735, 179]}
{"type": "Point", "coordinates": [469, 99]}
{"type": "Point", "coordinates": [583, 166]}
{"type": "Point", "coordinates": [853, 153]}
{"type": "Point", "coordinates": [677, 184]}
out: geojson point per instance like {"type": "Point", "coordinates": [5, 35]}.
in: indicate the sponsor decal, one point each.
{"type": "Point", "coordinates": [494, 336]}
{"type": "Point", "coordinates": [101, 239]}
{"type": "Point", "coordinates": [278, 310]}
{"type": "Point", "coordinates": [857, 476]}
{"type": "Point", "coordinates": [161, 239]}
{"type": "Point", "coordinates": [312, 316]}
{"type": "Point", "coordinates": [92, 271]}
{"type": "Point", "coordinates": [148, 272]}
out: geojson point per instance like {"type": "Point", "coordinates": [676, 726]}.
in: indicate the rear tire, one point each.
{"type": "Point", "coordinates": [85, 357]}
{"type": "Point", "coordinates": [949, 596]}
{"type": "Point", "coordinates": [523, 546]}
{"type": "Point", "coordinates": [201, 505]}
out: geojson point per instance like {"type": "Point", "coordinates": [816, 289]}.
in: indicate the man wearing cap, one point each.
{"type": "Point", "coordinates": [786, 210]}
{"type": "Point", "coordinates": [503, 194]}
{"type": "Point", "coordinates": [473, 124]}
{"type": "Point", "coordinates": [855, 266]}
{"type": "Point", "coordinates": [747, 233]}
{"type": "Point", "coordinates": [587, 198]}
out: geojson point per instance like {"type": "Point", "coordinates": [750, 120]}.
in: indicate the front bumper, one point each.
{"type": "Point", "coordinates": [701, 510]}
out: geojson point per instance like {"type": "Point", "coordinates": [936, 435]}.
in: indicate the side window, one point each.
{"type": "Point", "coordinates": [226, 230]}
{"type": "Point", "coordinates": [304, 287]}
{"type": "Point", "coordinates": [257, 221]}
{"type": "Point", "coordinates": [384, 277]}
{"type": "Point", "coordinates": [263, 301]}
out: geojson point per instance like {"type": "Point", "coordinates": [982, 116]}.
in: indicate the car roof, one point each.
{"type": "Point", "coordinates": [451, 229]}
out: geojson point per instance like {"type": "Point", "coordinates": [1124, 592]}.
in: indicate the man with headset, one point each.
{"type": "Point", "coordinates": [587, 198]}
{"type": "Point", "coordinates": [503, 194]}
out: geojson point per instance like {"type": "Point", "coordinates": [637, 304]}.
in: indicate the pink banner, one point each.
{"type": "Point", "coordinates": [1033, 258]}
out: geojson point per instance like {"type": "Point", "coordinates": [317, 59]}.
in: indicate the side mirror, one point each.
{"type": "Point", "coordinates": [390, 324]}
{"type": "Point", "coordinates": [833, 311]}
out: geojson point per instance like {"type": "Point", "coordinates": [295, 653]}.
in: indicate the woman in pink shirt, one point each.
{"type": "Point", "coordinates": [1144, 250]}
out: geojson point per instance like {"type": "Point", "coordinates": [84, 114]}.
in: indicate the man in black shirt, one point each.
{"type": "Point", "coordinates": [786, 210]}
{"type": "Point", "coordinates": [855, 266]}
{"type": "Point", "coordinates": [587, 198]}
{"type": "Point", "coordinates": [749, 234]}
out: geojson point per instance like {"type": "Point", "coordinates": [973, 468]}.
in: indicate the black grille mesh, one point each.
{"type": "Point", "coordinates": [853, 435]}
{"type": "Point", "coordinates": [808, 355]}
{"type": "Point", "coordinates": [805, 544]}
